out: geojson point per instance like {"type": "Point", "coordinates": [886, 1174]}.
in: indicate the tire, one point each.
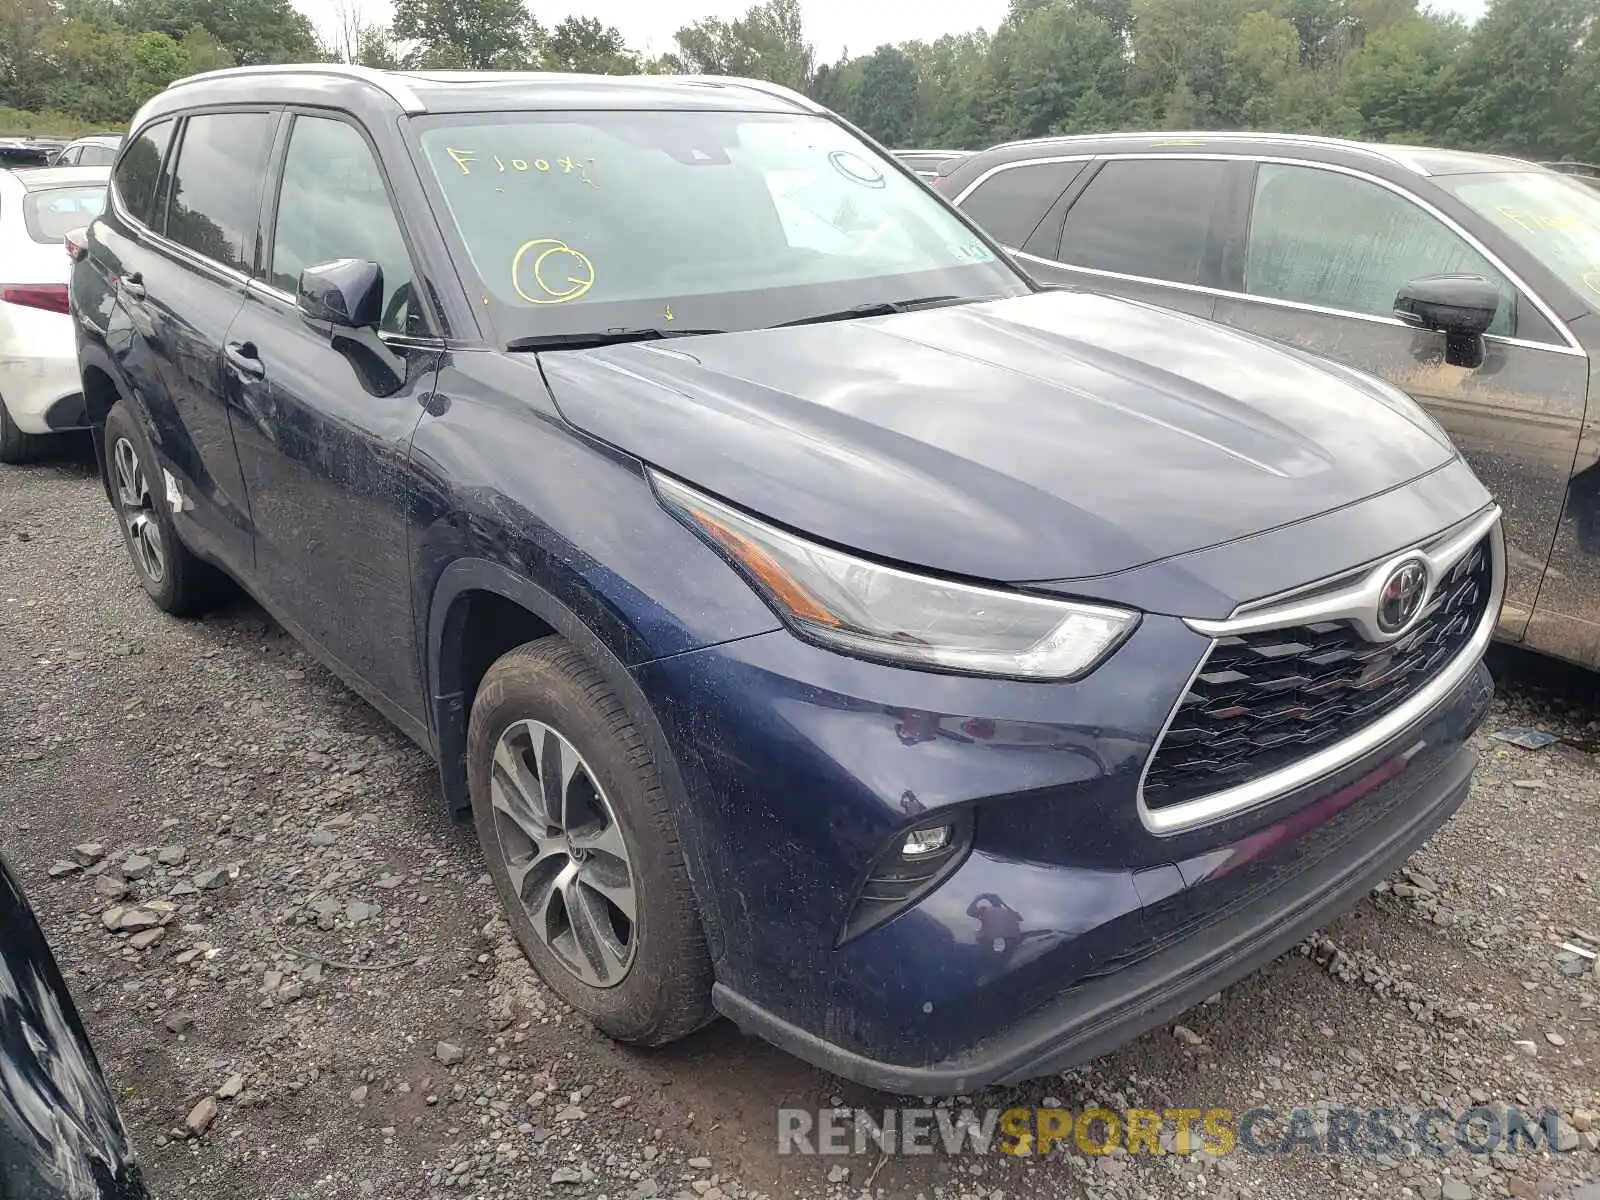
{"type": "Point", "coordinates": [15, 445]}
{"type": "Point", "coordinates": [171, 574]}
{"type": "Point", "coordinates": [539, 702]}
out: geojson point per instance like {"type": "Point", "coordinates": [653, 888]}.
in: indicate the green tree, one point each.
{"type": "Point", "coordinates": [28, 34]}
{"type": "Point", "coordinates": [952, 91]}
{"type": "Point", "coordinates": [1513, 76]}
{"type": "Point", "coordinates": [253, 31]}
{"type": "Point", "coordinates": [1401, 82]}
{"type": "Point", "coordinates": [91, 79]}
{"type": "Point", "coordinates": [1044, 60]}
{"type": "Point", "coordinates": [485, 35]}
{"type": "Point", "coordinates": [154, 60]}
{"type": "Point", "coordinates": [768, 42]}
{"type": "Point", "coordinates": [886, 105]}
{"type": "Point", "coordinates": [583, 44]}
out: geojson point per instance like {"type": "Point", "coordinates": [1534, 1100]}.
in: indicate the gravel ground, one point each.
{"type": "Point", "coordinates": [290, 962]}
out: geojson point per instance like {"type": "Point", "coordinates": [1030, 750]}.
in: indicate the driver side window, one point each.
{"type": "Point", "coordinates": [331, 205]}
{"type": "Point", "coordinates": [1325, 238]}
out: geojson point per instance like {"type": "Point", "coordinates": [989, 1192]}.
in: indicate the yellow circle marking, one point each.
{"type": "Point", "coordinates": [577, 284]}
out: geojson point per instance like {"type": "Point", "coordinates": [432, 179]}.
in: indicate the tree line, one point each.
{"type": "Point", "coordinates": [1525, 79]}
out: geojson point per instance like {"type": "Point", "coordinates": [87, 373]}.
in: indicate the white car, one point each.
{"type": "Point", "coordinates": [39, 389]}
{"type": "Point", "coordinates": [97, 150]}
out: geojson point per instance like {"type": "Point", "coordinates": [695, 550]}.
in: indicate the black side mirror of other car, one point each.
{"type": "Point", "coordinates": [1461, 307]}
{"type": "Point", "coordinates": [347, 293]}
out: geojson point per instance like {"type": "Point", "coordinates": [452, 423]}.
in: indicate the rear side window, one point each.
{"type": "Point", "coordinates": [217, 184]}
{"type": "Point", "coordinates": [139, 170]}
{"type": "Point", "coordinates": [1010, 204]}
{"type": "Point", "coordinates": [50, 215]}
{"type": "Point", "coordinates": [96, 156]}
{"type": "Point", "coordinates": [1146, 217]}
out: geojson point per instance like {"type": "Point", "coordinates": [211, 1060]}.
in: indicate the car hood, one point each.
{"type": "Point", "coordinates": [1045, 437]}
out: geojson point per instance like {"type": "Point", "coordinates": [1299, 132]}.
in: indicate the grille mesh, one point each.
{"type": "Point", "coordinates": [1264, 700]}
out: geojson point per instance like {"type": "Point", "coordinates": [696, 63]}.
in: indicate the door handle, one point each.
{"type": "Point", "coordinates": [132, 286]}
{"type": "Point", "coordinates": [243, 358]}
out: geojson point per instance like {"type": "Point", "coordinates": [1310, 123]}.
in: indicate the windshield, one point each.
{"type": "Point", "coordinates": [1555, 217]}
{"type": "Point", "coordinates": [577, 222]}
{"type": "Point", "coordinates": [52, 213]}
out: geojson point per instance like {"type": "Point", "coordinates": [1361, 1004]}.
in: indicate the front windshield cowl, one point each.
{"type": "Point", "coordinates": [583, 222]}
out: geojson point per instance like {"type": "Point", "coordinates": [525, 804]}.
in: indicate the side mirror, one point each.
{"type": "Point", "coordinates": [347, 293]}
{"type": "Point", "coordinates": [1461, 307]}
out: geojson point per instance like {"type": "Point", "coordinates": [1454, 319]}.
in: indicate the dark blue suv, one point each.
{"type": "Point", "coordinates": [824, 626]}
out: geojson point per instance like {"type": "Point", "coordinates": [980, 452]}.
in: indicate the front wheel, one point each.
{"type": "Point", "coordinates": [582, 846]}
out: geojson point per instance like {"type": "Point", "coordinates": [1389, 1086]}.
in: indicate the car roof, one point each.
{"type": "Point", "coordinates": [98, 139]}
{"type": "Point", "coordinates": [1418, 160]}
{"type": "Point", "coordinates": [42, 178]}
{"type": "Point", "coordinates": [418, 92]}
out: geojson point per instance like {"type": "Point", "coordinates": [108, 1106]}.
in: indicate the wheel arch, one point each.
{"type": "Point", "coordinates": [101, 391]}
{"type": "Point", "coordinates": [480, 609]}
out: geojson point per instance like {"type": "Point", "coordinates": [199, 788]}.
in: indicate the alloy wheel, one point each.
{"type": "Point", "coordinates": [564, 853]}
{"type": "Point", "coordinates": [137, 508]}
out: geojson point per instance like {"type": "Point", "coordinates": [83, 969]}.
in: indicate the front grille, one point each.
{"type": "Point", "coordinates": [1267, 699]}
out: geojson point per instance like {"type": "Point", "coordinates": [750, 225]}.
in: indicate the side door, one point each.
{"type": "Point", "coordinates": [1011, 201]}
{"type": "Point", "coordinates": [181, 279]}
{"type": "Point", "coordinates": [1145, 227]}
{"type": "Point", "coordinates": [1322, 253]}
{"type": "Point", "coordinates": [324, 415]}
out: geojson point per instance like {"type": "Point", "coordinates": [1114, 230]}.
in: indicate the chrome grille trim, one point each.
{"type": "Point", "coordinates": [1341, 605]}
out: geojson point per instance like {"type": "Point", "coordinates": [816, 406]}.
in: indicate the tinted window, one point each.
{"type": "Point", "coordinates": [1011, 203]}
{"type": "Point", "coordinates": [1144, 217]}
{"type": "Point", "coordinates": [1364, 242]}
{"type": "Point", "coordinates": [216, 188]}
{"type": "Point", "coordinates": [333, 205]}
{"type": "Point", "coordinates": [96, 156]}
{"type": "Point", "coordinates": [140, 168]}
{"type": "Point", "coordinates": [50, 215]}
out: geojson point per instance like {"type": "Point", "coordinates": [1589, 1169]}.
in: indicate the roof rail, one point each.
{"type": "Point", "coordinates": [1230, 134]}
{"type": "Point", "coordinates": [388, 82]}
{"type": "Point", "coordinates": [775, 90]}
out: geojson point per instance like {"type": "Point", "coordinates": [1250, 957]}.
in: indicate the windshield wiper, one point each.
{"type": "Point", "coordinates": [878, 308]}
{"type": "Point", "coordinates": [599, 337]}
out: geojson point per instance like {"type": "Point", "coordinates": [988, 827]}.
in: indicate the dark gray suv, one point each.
{"type": "Point", "coordinates": [1469, 280]}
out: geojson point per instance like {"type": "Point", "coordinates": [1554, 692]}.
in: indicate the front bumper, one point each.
{"type": "Point", "coordinates": [800, 765]}
{"type": "Point", "coordinates": [1363, 832]}
{"type": "Point", "coordinates": [42, 395]}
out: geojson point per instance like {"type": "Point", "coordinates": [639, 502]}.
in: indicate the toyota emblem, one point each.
{"type": "Point", "coordinates": [1401, 598]}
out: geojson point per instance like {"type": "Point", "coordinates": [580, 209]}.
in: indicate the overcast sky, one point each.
{"type": "Point", "coordinates": [832, 26]}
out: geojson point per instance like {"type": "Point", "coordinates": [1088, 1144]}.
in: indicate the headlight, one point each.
{"type": "Point", "coordinates": [873, 611]}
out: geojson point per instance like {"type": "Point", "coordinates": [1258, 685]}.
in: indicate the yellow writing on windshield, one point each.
{"type": "Point", "coordinates": [1538, 222]}
{"type": "Point", "coordinates": [471, 162]}
{"type": "Point", "coordinates": [559, 273]}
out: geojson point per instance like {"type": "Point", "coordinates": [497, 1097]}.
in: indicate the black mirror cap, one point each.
{"type": "Point", "coordinates": [347, 293]}
{"type": "Point", "coordinates": [1455, 304]}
